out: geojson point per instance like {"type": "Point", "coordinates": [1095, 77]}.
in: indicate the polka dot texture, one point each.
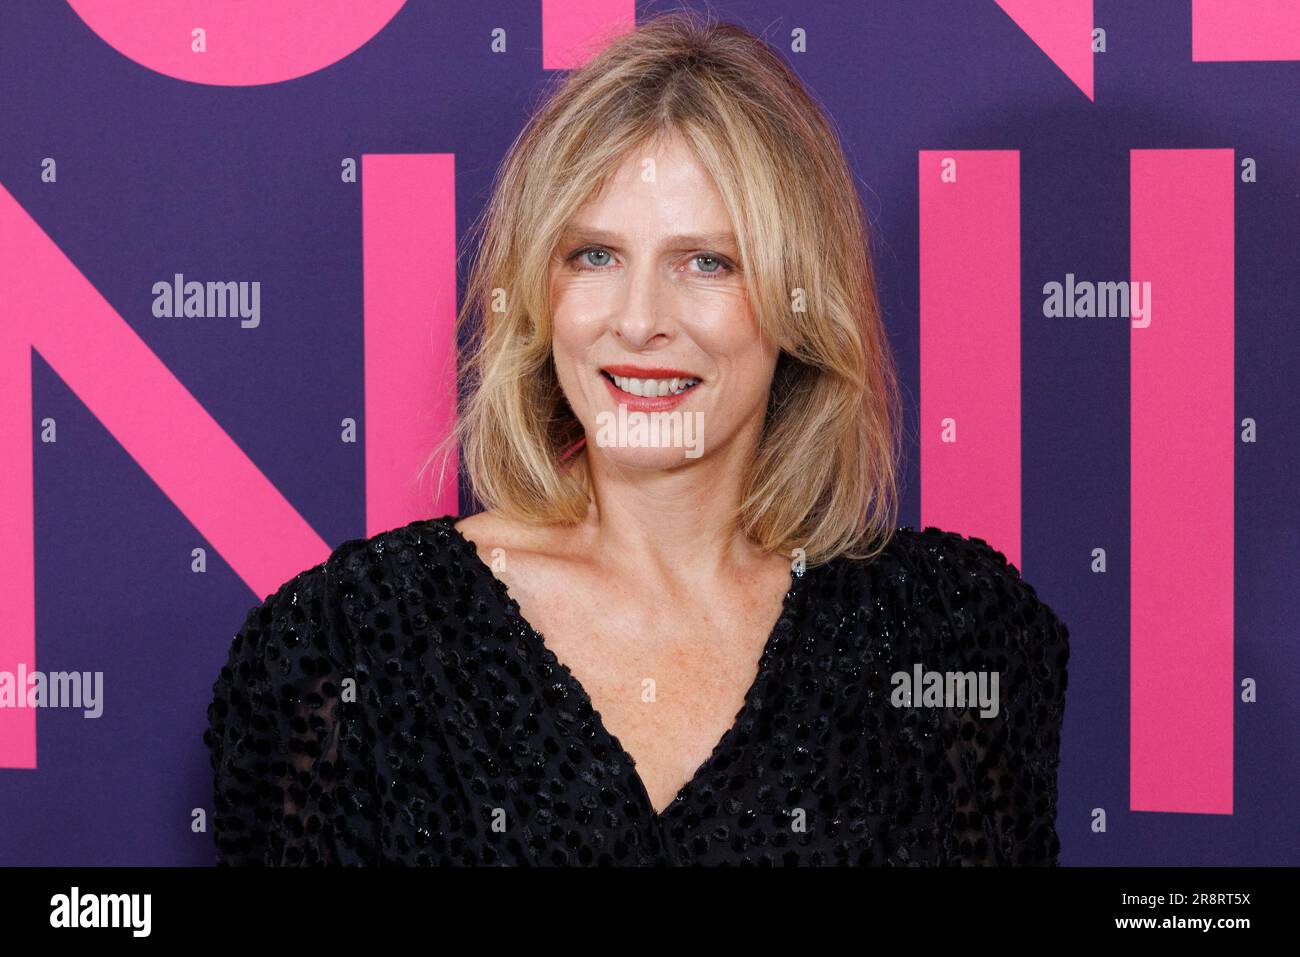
{"type": "Point", "coordinates": [391, 706]}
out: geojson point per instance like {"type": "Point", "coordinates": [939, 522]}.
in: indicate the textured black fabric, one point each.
{"type": "Point", "coordinates": [390, 706]}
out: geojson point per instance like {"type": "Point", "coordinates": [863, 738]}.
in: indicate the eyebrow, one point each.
{"type": "Point", "coordinates": [676, 241]}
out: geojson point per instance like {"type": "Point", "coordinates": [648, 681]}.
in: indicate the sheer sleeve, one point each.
{"type": "Point", "coordinates": [274, 727]}
{"type": "Point", "coordinates": [1002, 768]}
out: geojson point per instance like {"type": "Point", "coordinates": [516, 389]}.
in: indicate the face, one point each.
{"type": "Point", "coordinates": [650, 312]}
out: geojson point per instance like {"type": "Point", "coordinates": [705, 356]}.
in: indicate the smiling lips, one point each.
{"type": "Point", "coordinates": [644, 389]}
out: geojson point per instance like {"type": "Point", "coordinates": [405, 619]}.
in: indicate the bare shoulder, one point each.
{"type": "Point", "coordinates": [494, 529]}
{"type": "Point", "coordinates": [542, 567]}
{"type": "Point", "coordinates": [490, 530]}
{"type": "Point", "coordinates": [482, 528]}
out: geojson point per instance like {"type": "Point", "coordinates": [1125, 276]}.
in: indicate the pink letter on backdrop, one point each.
{"type": "Point", "coordinates": [970, 344]}
{"type": "Point", "coordinates": [49, 305]}
{"type": "Point", "coordinates": [1245, 30]}
{"type": "Point", "coordinates": [573, 31]}
{"type": "Point", "coordinates": [17, 518]}
{"type": "Point", "coordinates": [409, 229]}
{"type": "Point", "coordinates": [246, 43]}
{"type": "Point", "coordinates": [1062, 29]}
{"type": "Point", "coordinates": [1183, 439]}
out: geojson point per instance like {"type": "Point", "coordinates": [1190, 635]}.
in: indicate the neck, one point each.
{"type": "Point", "coordinates": [673, 525]}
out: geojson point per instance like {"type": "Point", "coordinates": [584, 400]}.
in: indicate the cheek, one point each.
{"type": "Point", "coordinates": [729, 330]}
{"type": "Point", "coordinates": [573, 328]}
{"type": "Point", "coordinates": [574, 339]}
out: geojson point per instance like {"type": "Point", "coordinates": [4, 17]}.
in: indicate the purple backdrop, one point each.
{"type": "Point", "coordinates": [158, 176]}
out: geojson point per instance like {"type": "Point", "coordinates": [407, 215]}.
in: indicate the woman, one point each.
{"type": "Point", "coordinates": [691, 652]}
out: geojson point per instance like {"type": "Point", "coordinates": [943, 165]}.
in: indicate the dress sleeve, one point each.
{"type": "Point", "coordinates": [1002, 768]}
{"type": "Point", "coordinates": [274, 727]}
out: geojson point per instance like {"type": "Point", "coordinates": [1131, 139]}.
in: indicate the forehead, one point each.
{"type": "Point", "coordinates": [658, 187]}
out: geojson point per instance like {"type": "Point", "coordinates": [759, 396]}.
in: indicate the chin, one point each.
{"type": "Point", "coordinates": [648, 459]}
{"type": "Point", "coordinates": [653, 440]}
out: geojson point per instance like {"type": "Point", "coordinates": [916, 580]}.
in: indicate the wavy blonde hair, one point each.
{"type": "Point", "coordinates": [824, 477]}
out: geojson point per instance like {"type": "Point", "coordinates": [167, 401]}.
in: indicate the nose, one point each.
{"type": "Point", "coordinates": [646, 308]}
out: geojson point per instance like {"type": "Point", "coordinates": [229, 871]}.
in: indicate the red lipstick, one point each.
{"type": "Point", "coordinates": [649, 372]}
{"type": "Point", "coordinates": [641, 403]}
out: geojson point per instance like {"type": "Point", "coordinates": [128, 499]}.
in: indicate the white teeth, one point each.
{"type": "Point", "coordinates": [653, 387]}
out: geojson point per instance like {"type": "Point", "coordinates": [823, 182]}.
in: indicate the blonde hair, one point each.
{"type": "Point", "coordinates": [824, 477]}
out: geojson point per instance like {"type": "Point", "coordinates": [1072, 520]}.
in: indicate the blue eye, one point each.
{"type": "Point", "coordinates": [721, 266]}
{"type": "Point", "coordinates": [579, 261]}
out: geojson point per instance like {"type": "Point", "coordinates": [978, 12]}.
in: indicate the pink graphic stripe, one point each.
{"type": "Point", "coordinates": [1245, 30]}
{"type": "Point", "coordinates": [17, 532]}
{"type": "Point", "coordinates": [246, 43]}
{"type": "Point", "coordinates": [970, 344]}
{"type": "Point", "coordinates": [1182, 443]}
{"type": "Point", "coordinates": [409, 228]}
{"type": "Point", "coordinates": [1062, 29]}
{"type": "Point", "coordinates": [573, 31]}
{"type": "Point", "coordinates": [49, 305]}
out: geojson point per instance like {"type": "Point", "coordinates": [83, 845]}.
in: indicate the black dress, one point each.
{"type": "Point", "coordinates": [391, 706]}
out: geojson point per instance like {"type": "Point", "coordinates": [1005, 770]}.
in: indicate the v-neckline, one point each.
{"type": "Point", "coordinates": [574, 686]}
